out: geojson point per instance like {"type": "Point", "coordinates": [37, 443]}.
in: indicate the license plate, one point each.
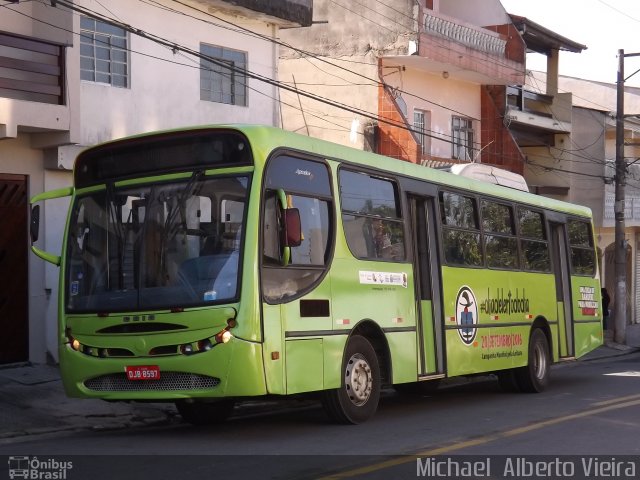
{"type": "Point", "coordinates": [146, 372]}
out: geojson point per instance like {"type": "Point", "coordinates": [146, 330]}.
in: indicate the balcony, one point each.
{"type": "Point", "coordinates": [531, 114]}
{"type": "Point", "coordinates": [493, 55]}
{"type": "Point", "coordinates": [470, 36]}
{"type": "Point", "coordinates": [31, 86]}
{"type": "Point", "coordinates": [284, 13]}
{"type": "Point", "coordinates": [31, 70]}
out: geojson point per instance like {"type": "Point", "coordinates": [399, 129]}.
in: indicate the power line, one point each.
{"type": "Point", "coordinates": [619, 11]}
{"type": "Point", "coordinates": [198, 67]}
{"type": "Point", "coordinates": [311, 54]}
{"type": "Point", "coordinates": [178, 47]}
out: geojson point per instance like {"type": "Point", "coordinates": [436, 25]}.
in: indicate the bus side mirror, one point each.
{"type": "Point", "coordinates": [34, 226]}
{"type": "Point", "coordinates": [292, 228]}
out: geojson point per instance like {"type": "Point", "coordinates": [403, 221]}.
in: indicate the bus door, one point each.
{"type": "Point", "coordinates": [560, 253]}
{"type": "Point", "coordinates": [428, 289]}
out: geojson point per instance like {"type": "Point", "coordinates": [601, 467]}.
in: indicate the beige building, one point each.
{"type": "Point", "coordinates": [72, 75]}
{"type": "Point", "coordinates": [413, 77]}
{"type": "Point", "coordinates": [580, 168]}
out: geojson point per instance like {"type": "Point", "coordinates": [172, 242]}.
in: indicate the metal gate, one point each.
{"type": "Point", "coordinates": [14, 260]}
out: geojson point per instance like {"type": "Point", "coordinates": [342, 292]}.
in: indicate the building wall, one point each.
{"type": "Point", "coordinates": [491, 13]}
{"type": "Point", "coordinates": [454, 98]}
{"type": "Point", "coordinates": [22, 24]}
{"type": "Point", "coordinates": [41, 140]}
{"type": "Point", "coordinates": [320, 120]}
{"type": "Point", "coordinates": [164, 94]}
{"type": "Point", "coordinates": [352, 41]}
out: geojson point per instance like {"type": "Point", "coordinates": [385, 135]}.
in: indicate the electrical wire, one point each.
{"type": "Point", "coordinates": [319, 57]}
{"type": "Point", "coordinates": [343, 128]}
{"type": "Point", "coordinates": [178, 47]}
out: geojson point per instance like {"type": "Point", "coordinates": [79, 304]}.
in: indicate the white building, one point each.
{"type": "Point", "coordinates": [70, 79]}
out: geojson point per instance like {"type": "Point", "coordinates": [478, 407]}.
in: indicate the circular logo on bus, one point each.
{"type": "Point", "coordinates": [466, 315]}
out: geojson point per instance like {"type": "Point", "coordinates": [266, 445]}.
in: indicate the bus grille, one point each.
{"type": "Point", "coordinates": [118, 382]}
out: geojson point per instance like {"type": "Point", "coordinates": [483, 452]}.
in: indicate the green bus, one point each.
{"type": "Point", "coordinates": [208, 265]}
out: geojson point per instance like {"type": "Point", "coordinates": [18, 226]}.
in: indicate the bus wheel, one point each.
{"type": "Point", "coordinates": [534, 377]}
{"type": "Point", "coordinates": [357, 399]}
{"type": "Point", "coordinates": [205, 413]}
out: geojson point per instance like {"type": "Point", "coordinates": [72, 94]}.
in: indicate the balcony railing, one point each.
{"type": "Point", "coordinates": [473, 37]}
{"type": "Point", "coordinates": [31, 70]}
{"type": "Point", "coordinates": [527, 101]}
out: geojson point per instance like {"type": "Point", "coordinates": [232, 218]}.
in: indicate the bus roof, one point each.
{"type": "Point", "coordinates": [271, 138]}
{"type": "Point", "coordinates": [265, 139]}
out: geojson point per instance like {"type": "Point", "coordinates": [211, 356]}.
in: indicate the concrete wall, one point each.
{"type": "Point", "coordinates": [18, 19]}
{"type": "Point", "coordinates": [461, 99]}
{"type": "Point", "coordinates": [42, 140]}
{"type": "Point", "coordinates": [165, 87]}
{"type": "Point", "coordinates": [311, 117]}
{"type": "Point", "coordinates": [490, 13]}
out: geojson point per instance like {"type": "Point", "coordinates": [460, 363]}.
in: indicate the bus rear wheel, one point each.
{"type": "Point", "coordinates": [205, 413]}
{"type": "Point", "coordinates": [534, 377]}
{"type": "Point", "coordinates": [357, 399]}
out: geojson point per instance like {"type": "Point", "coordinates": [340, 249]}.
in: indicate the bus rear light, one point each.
{"type": "Point", "coordinates": [75, 344]}
{"type": "Point", "coordinates": [232, 323]}
{"type": "Point", "coordinates": [204, 345]}
{"type": "Point", "coordinates": [186, 349]}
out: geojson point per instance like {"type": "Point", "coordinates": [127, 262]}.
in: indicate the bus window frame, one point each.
{"type": "Point", "coordinates": [512, 206]}
{"type": "Point", "coordinates": [331, 232]}
{"type": "Point", "coordinates": [442, 227]}
{"type": "Point", "coordinates": [399, 199]}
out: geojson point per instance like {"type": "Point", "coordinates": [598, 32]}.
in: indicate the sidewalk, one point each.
{"type": "Point", "coordinates": [32, 400]}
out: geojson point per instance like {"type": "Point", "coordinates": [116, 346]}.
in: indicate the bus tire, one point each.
{"type": "Point", "coordinates": [534, 377]}
{"type": "Point", "coordinates": [357, 399]}
{"type": "Point", "coordinates": [205, 413]}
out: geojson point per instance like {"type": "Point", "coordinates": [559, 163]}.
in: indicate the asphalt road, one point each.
{"type": "Point", "coordinates": [591, 408]}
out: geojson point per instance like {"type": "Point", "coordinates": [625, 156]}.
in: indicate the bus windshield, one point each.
{"type": "Point", "coordinates": [168, 245]}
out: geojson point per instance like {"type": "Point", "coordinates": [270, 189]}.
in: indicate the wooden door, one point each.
{"type": "Point", "coordinates": [14, 304]}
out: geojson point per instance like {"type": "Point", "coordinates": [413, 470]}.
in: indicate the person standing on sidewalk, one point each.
{"type": "Point", "coordinates": [606, 300]}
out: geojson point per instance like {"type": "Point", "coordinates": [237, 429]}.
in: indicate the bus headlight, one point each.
{"type": "Point", "coordinates": [224, 336]}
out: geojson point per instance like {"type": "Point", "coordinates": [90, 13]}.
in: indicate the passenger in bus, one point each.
{"type": "Point", "coordinates": [381, 239]}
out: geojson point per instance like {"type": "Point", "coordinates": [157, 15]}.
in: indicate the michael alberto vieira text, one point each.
{"type": "Point", "coordinates": [523, 467]}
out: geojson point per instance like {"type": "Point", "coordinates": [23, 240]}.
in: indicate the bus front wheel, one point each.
{"type": "Point", "coordinates": [205, 413]}
{"type": "Point", "coordinates": [357, 399]}
{"type": "Point", "coordinates": [534, 377]}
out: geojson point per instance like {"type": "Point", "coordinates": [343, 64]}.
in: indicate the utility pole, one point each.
{"type": "Point", "coordinates": [620, 304]}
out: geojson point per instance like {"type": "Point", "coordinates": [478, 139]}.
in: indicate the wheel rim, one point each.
{"type": "Point", "coordinates": [539, 362]}
{"type": "Point", "coordinates": [358, 380]}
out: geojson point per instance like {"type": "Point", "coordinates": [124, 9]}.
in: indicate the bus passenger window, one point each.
{"type": "Point", "coordinates": [460, 232]}
{"type": "Point", "coordinates": [533, 241]}
{"type": "Point", "coordinates": [371, 217]}
{"type": "Point", "coordinates": [500, 243]}
{"type": "Point", "coordinates": [581, 244]}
